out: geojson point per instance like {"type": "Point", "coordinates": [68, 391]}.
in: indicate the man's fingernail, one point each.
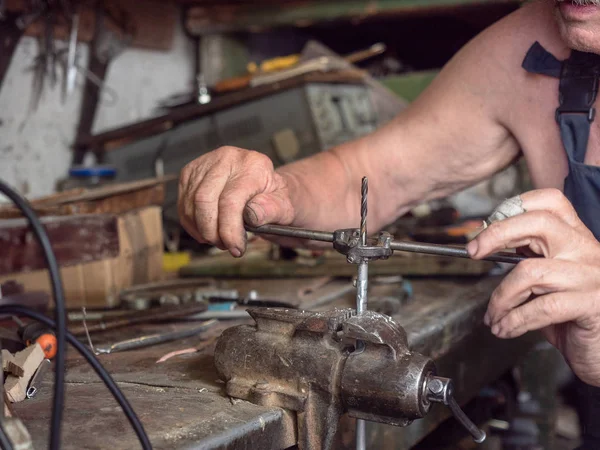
{"type": "Point", "coordinates": [236, 252]}
{"type": "Point", "coordinates": [472, 247]}
{"type": "Point", "coordinates": [495, 330]}
{"type": "Point", "coordinates": [251, 214]}
{"type": "Point", "coordinates": [486, 319]}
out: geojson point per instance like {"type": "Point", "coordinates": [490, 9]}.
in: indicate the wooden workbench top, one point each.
{"type": "Point", "coordinates": [181, 402]}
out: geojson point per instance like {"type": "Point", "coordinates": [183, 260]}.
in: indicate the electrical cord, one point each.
{"type": "Point", "coordinates": [62, 335]}
{"type": "Point", "coordinates": [60, 312]}
{"type": "Point", "coordinates": [98, 368]}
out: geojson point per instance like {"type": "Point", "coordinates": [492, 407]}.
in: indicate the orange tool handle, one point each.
{"type": "Point", "coordinates": [48, 343]}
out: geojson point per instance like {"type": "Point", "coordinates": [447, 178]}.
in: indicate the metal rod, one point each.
{"type": "Point", "coordinates": [457, 252]}
{"type": "Point", "coordinates": [153, 339]}
{"type": "Point", "coordinates": [402, 246]}
{"type": "Point", "coordinates": [362, 287]}
{"type": "Point", "coordinates": [300, 233]}
{"type": "Point", "coordinates": [361, 435]}
{"type": "Point", "coordinates": [477, 433]}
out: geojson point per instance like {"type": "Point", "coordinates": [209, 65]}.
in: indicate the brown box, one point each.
{"type": "Point", "coordinates": [97, 284]}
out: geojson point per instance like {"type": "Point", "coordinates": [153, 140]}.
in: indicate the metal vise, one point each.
{"type": "Point", "coordinates": [308, 362]}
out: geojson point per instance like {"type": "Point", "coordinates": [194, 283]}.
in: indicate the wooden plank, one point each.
{"type": "Point", "coordinates": [112, 139]}
{"type": "Point", "coordinates": [110, 199]}
{"type": "Point", "coordinates": [224, 17]}
{"type": "Point", "coordinates": [116, 189]}
{"type": "Point", "coordinates": [153, 21]}
{"type": "Point", "coordinates": [9, 365]}
{"type": "Point", "coordinates": [75, 239]}
{"type": "Point", "coordinates": [183, 406]}
{"type": "Point", "coordinates": [332, 264]}
{"type": "Point", "coordinates": [27, 361]}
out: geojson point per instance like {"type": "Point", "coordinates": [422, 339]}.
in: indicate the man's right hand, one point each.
{"type": "Point", "coordinates": [221, 190]}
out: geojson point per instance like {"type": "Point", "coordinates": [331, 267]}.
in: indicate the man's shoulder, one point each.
{"type": "Point", "coordinates": [492, 62]}
{"type": "Point", "coordinates": [512, 36]}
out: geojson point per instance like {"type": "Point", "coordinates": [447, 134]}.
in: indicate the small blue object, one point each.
{"type": "Point", "coordinates": [408, 288]}
{"type": "Point", "coordinates": [228, 306]}
{"type": "Point", "coordinates": [93, 171]}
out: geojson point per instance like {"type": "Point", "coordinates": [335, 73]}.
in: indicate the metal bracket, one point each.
{"type": "Point", "coordinates": [374, 328]}
{"type": "Point", "coordinates": [347, 242]}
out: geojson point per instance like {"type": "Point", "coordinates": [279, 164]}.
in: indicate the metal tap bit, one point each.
{"type": "Point", "coordinates": [363, 210]}
{"type": "Point", "coordinates": [362, 280]}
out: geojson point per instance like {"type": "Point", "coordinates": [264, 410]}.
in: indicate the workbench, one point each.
{"type": "Point", "coordinates": [182, 406]}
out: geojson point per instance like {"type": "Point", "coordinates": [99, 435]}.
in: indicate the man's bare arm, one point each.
{"type": "Point", "coordinates": [451, 137]}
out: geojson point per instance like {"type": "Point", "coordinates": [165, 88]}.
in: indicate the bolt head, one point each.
{"type": "Point", "coordinates": [435, 386]}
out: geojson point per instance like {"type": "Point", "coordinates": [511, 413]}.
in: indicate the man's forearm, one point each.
{"type": "Point", "coordinates": [446, 140]}
{"type": "Point", "coordinates": [325, 188]}
{"type": "Point", "coordinates": [403, 171]}
{"type": "Point", "coordinates": [319, 189]}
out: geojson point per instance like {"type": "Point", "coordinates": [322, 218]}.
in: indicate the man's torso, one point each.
{"type": "Point", "coordinates": [528, 112]}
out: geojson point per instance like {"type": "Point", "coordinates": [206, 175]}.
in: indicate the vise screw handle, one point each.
{"type": "Point", "coordinates": [441, 390]}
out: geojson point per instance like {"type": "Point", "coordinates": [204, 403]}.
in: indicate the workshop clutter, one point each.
{"type": "Point", "coordinates": [102, 246]}
{"type": "Point", "coordinates": [22, 368]}
{"type": "Point", "coordinates": [98, 283]}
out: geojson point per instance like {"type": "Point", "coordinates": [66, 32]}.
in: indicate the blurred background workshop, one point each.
{"type": "Point", "coordinates": [103, 102]}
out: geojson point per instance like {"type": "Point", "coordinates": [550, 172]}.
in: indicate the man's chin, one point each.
{"type": "Point", "coordinates": [580, 31]}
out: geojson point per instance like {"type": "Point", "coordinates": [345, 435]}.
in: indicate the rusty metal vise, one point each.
{"type": "Point", "coordinates": [308, 362]}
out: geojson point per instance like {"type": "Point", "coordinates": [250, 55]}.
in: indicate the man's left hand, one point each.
{"type": "Point", "coordinates": [557, 292]}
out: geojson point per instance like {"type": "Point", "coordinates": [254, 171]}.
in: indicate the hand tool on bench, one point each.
{"type": "Point", "coordinates": [154, 339]}
{"type": "Point", "coordinates": [37, 332]}
{"type": "Point", "coordinates": [160, 314]}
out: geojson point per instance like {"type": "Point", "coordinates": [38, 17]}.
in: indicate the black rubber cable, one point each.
{"type": "Point", "coordinates": [60, 313]}
{"type": "Point", "coordinates": [100, 370]}
{"type": "Point", "coordinates": [5, 443]}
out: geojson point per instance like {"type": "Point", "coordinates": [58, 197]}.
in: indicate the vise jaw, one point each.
{"type": "Point", "coordinates": [307, 362]}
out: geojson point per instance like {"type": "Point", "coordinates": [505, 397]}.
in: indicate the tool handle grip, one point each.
{"type": "Point", "coordinates": [441, 390]}
{"type": "Point", "coordinates": [477, 433]}
{"type": "Point", "coordinates": [48, 343]}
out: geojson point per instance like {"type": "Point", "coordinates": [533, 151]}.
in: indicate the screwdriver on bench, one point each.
{"type": "Point", "coordinates": [37, 332]}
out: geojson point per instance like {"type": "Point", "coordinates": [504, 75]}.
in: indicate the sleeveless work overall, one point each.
{"type": "Point", "coordinates": [578, 88]}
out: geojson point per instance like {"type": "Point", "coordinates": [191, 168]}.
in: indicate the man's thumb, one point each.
{"type": "Point", "coordinates": [272, 208]}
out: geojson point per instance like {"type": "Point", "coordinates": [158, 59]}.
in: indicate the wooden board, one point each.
{"type": "Point", "coordinates": [182, 405]}
{"type": "Point", "coordinates": [114, 139]}
{"type": "Point", "coordinates": [75, 239]}
{"type": "Point", "coordinates": [115, 198]}
{"type": "Point", "coordinates": [331, 264]}
{"type": "Point", "coordinates": [138, 259]}
{"type": "Point", "coordinates": [153, 21]}
{"type": "Point", "coordinates": [214, 16]}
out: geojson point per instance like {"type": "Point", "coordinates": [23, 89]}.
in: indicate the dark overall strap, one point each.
{"type": "Point", "coordinates": [539, 60]}
{"type": "Point", "coordinates": [588, 399]}
{"type": "Point", "coordinates": [577, 95]}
